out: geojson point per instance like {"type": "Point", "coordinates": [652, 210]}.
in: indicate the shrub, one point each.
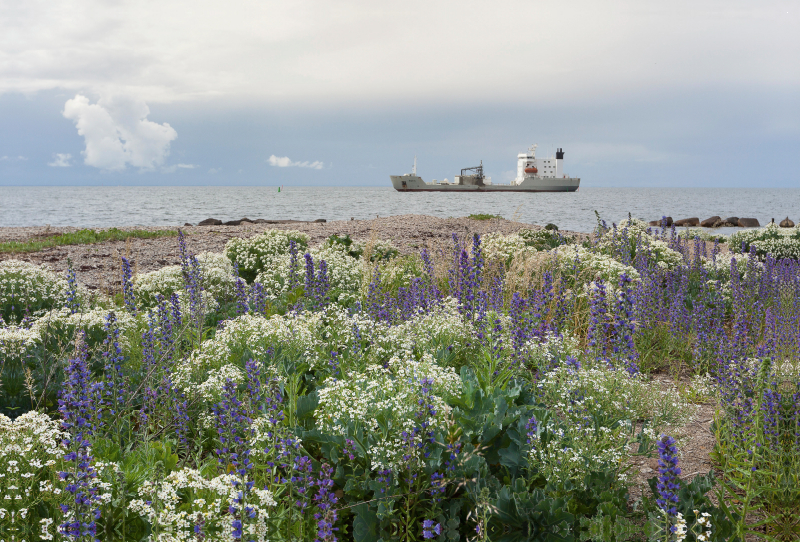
{"type": "Point", "coordinates": [27, 289]}
{"type": "Point", "coordinates": [778, 242]}
{"type": "Point", "coordinates": [258, 253]}
{"type": "Point", "coordinates": [216, 271]}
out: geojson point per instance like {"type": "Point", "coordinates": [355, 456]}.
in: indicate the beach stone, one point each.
{"type": "Point", "coordinates": [786, 223]}
{"type": "Point", "coordinates": [187, 224]}
{"type": "Point", "coordinates": [232, 223]}
{"type": "Point", "coordinates": [733, 220]}
{"type": "Point", "coordinates": [551, 227]}
{"type": "Point", "coordinates": [709, 222]}
{"type": "Point", "coordinates": [657, 223]}
{"type": "Point", "coordinates": [245, 219]}
{"type": "Point", "coordinates": [749, 223]}
{"type": "Point", "coordinates": [320, 220]}
{"type": "Point", "coordinates": [694, 221]}
{"type": "Point", "coordinates": [259, 221]}
{"type": "Point", "coordinates": [210, 222]}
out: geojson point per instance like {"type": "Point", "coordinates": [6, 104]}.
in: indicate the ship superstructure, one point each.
{"type": "Point", "coordinates": [533, 175]}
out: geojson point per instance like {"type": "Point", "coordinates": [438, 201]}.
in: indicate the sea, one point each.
{"type": "Point", "coordinates": [107, 206]}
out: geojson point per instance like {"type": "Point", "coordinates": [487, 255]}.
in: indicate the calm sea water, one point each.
{"type": "Point", "coordinates": [89, 206]}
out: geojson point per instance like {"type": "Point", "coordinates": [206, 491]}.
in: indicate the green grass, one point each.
{"type": "Point", "coordinates": [80, 237]}
{"type": "Point", "coordinates": [483, 216]}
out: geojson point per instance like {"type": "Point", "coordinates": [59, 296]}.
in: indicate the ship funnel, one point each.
{"type": "Point", "coordinates": [559, 154]}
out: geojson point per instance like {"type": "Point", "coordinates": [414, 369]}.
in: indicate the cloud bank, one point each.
{"type": "Point", "coordinates": [284, 161]}
{"type": "Point", "coordinates": [60, 160]}
{"type": "Point", "coordinates": [355, 50]}
{"type": "Point", "coordinates": [117, 133]}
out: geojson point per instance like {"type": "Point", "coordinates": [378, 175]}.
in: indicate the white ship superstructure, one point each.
{"type": "Point", "coordinates": [533, 175]}
{"type": "Point", "coordinates": [546, 168]}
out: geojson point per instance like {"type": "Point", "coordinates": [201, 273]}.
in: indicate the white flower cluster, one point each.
{"type": "Point", "coordinates": [575, 450]}
{"type": "Point", "coordinates": [496, 246]}
{"type": "Point", "coordinates": [16, 342]}
{"type": "Point", "coordinates": [551, 349]}
{"type": "Point", "coordinates": [257, 253]}
{"type": "Point", "coordinates": [784, 248]}
{"type": "Point", "coordinates": [173, 506]}
{"type": "Point", "coordinates": [92, 322]}
{"type": "Point", "coordinates": [216, 271]}
{"type": "Point", "coordinates": [612, 392]}
{"type": "Point", "coordinates": [592, 265]}
{"type": "Point", "coordinates": [701, 389]}
{"type": "Point", "coordinates": [703, 235]}
{"type": "Point", "coordinates": [344, 274]}
{"type": "Point", "coordinates": [384, 403]}
{"type": "Point", "coordinates": [255, 334]}
{"type": "Point", "coordinates": [30, 457]}
{"type": "Point", "coordinates": [771, 239]}
{"type": "Point", "coordinates": [23, 284]}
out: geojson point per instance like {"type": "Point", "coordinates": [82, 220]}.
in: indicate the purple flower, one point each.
{"type": "Point", "coordinates": [431, 529]}
{"type": "Point", "coordinates": [668, 483]}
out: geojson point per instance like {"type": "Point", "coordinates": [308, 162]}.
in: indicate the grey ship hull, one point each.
{"type": "Point", "coordinates": [413, 183]}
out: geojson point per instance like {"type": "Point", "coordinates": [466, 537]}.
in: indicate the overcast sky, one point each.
{"type": "Point", "coordinates": [312, 92]}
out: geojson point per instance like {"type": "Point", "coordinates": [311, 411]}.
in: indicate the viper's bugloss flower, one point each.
{"type": "Point", "coordinates": [668, 483]}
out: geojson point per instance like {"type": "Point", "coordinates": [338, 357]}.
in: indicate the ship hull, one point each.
{"type": "Point", "coordinates": [412, 183]}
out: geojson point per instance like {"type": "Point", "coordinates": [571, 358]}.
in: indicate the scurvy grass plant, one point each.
{"type": "Point", "coordinates": [494, 388]}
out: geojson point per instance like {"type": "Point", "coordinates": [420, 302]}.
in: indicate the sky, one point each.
{"type": "Point", "coordinates": [346, 93]}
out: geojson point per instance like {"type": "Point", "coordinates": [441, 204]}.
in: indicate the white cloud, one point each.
{"type": "Point", "coordinates": [284, 161]}
{"type": "Point", "coordinates": [214, 170]}
{"type": "Point", "coordinates": [12, 159]}
{"type": "Point", "coordinates": [60, 160]}
{"type": "Point", "coordinates": [117, 133]}
{"type": "Point", "coordinates": [175, 167]}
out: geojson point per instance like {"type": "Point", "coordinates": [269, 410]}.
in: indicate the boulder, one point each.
{"type": "Point", "coordinates": [320, 220]}
{"type": "Point", "coordinates": [259, 221]}
{"type": "Point", "coordinates": [786, 223]}
{"type": "Point", "coordinates": [551, 227]}
{"type": "Point", "coordinates": [658, 223]}
{"type": "Point", "coordinates": [749, 223]}
{"type": "Point", "coordinates": [694, 221]}
{"type": "Point", "coordinates": [187, 224]}
{"type": "Point", "coordinates": [245, 219]}
{"type": "Point", "coordinates": [232, 223]}
{"type": "Point", "coordinates": [732, 220]}
{"type": "Point", "coordinates": [709, 222]}
{"type": "Point", "coordinates": [210, 222]}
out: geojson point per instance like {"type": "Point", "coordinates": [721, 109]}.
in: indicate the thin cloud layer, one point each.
{"type": "Point", "coordinates": [284, 161]}
{"type": "Point", "coordinates": [60, 160]}
{"type": "Point", "coordinates": [117, 133]}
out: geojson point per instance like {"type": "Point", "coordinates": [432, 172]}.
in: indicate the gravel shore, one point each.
{"type": "Point", "coordinates": [98, 265]}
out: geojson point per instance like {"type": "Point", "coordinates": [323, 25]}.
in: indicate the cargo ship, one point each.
{"type": "Point", "coordinates": [533, 175]}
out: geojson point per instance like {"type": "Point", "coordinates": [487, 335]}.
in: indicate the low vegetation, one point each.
{"type": "Point", "coordinates": [496, 388]}
{"type": "Point", "coordinates": [80, 237]}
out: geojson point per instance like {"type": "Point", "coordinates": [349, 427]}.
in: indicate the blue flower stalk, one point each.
{"type": "Point", "coordinates": [72, 302]}
{"type": "Point", "coordinates": [79, 416]}
{"type": "Point", "coordinates": [668, 483]}
{"type": "Point", "coordinates": [128, 295]}
{"type": "Point", "coordinates": [234, 423]}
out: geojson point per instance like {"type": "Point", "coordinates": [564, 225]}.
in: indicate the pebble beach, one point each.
{"type": "Point", "coordinates": [97, 265]}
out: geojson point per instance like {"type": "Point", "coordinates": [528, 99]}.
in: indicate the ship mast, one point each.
{"type": "Point", "coordinates": [414, 169]}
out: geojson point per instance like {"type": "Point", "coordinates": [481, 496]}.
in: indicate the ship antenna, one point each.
{"type": "Point", "coordinates": [414, 169]}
